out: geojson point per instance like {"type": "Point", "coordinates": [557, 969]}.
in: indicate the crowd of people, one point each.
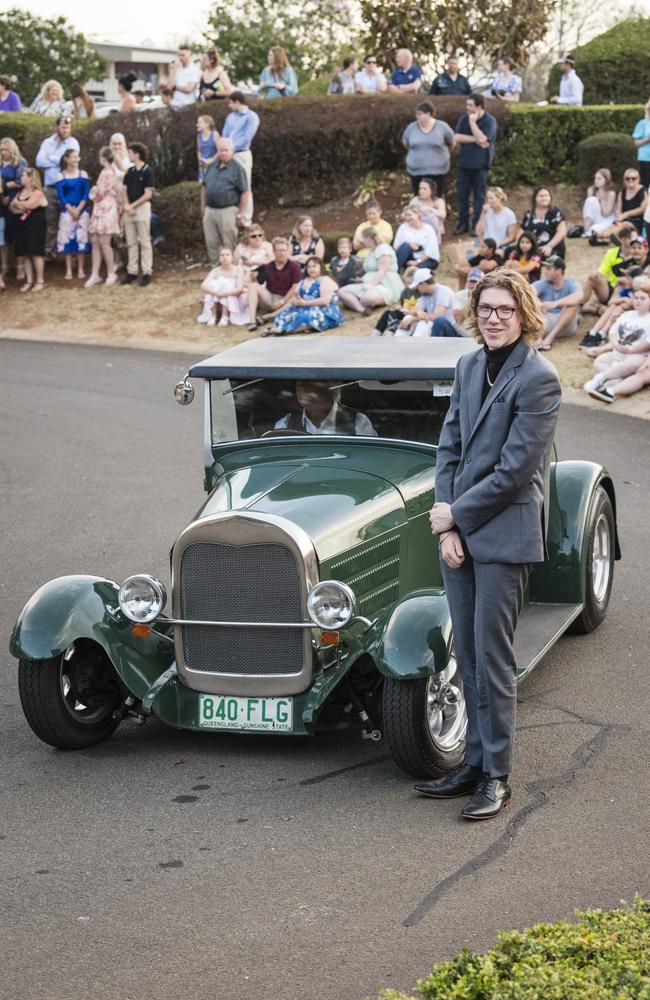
{"type": "Point", "coordinates": [286, 285]}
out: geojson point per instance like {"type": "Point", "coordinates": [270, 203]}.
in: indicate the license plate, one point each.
{"type": "Point", "coordinates": [258, 715]}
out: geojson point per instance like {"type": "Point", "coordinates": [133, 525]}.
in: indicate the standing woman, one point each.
{"type": "Point", "coordinates": [124, 87]}
{"type": "Point", "coordinates": [381, 284]}
{"type": "Point", "coordinates": [547, 224]}
{"type": "Point", "coordinates": [83, 105]}
{"type": "Point", "coordinates": [105, 221]}
{"type": "Point", "coordinates": [121, 162]}
{"type": "Point", "coordinates": [598, 211]}
{"type": "Point", "coordinates": [50, 100]}
{"type": "Point", "coordinates": [428, 142]}
{"type": "Point", "coordinates": [28, 209]}
{"type": "Point", "coordinates": [507, 85]}
{"type": "Point", "coordinates": [631, 202]}
{"type": "Point", "coordinates": [73, 189]}
{"type": "Point", "coordinates": [641, 136]}
{"type": "Point", "coordinates": [277, 79]}
{"type": "Point", "coordinates": [214, 82]}
{"type": "Point", "coordinates": [497, 222]}
{"type": "Point", "coordinates": [12, 166]}
{"type": "Point", "coordinates": [305, 241]}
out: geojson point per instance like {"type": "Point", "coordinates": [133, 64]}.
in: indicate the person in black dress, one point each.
{"type": "Point", "coordinates": [547, 224]}
{"type": "Point", "coordinates": [28, 209]}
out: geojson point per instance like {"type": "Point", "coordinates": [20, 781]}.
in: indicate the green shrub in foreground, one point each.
{"type": "Point", "coordinates": [615, 150]}
{"type": "Point", "coordinates": [604, 956]}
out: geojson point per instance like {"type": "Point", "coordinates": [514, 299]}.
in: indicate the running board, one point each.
{"type": "Point", "coordinates": [539, 627]}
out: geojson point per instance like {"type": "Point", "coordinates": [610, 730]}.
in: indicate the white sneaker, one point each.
{"type": "Point", "coordinates": [224, 321]}
{"type": "Point", "coordinates": [205, 317]}
{"type": "Point", "coordinates": [594, 383]}
{"type": "Point", "coordinates": [212, 322]}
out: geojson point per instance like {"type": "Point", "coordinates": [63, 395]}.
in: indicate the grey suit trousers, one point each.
{"type": "Point", "coordinates": [485, 600]}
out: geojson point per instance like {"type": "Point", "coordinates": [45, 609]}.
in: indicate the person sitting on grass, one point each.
{"type": "Point", "coordinates": [461, 301]}
{"type": "Point", "coordinates": [622, 379]}
{"type": "Point", "coordinates": [525, 258]}
{"type": "Point", "coordinates": [560, 298]}
{"type": "Point", "coordinates": [487, 258]}
{"type": "Point", "coordinates": [345, 268]}
{"type": "Point", "coordinates": [631, 329]}
{"type": "Point", "coordinates": [313, 308]}
{"type": "Point", "coordinates": [280, 284]}
{"type": "Point", "coordinates": [374, 219]}
{"type": "Point", "coordinates": [432, 315]}
{"type": "Point", "coordinates": [381, 284]}
{"type": "Point", "coordinates": [602, 282]}
{"type": "Point", "coordinates": [305, 241]}
{"type": "Point", "coordinates": [620, 300]}
{"type": "Point", "coordinates": [497, 221]}
{"type": "Point", "coordinates": [598, 211]}
{"type": "Point", "coordinates": [415, 241]}
{"type": "Point", "coordinates": [390, 319]}
{"type": "Point", "coordinates": [254, 251]}
{"type": "Point", "coordinates": [225, 286]}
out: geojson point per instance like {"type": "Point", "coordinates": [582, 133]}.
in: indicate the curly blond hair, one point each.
{"type": "Point", "coordinates": [528, 306]}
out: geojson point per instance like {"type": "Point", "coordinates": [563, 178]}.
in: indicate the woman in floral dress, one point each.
{"type": "Point", "coordinates": [105, 220]}
{"type": "Point", "coordinates": [73, 189]}
{"type": "Point", "coordinates": [315, 307]}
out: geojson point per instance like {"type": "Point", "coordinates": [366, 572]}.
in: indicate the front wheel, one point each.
{"type": "Point", "coordinates": [70, 699]}
{"type": "Point", "coordinates": [425, 721]}
{"type": "Point", "coordinates": [600, 564]}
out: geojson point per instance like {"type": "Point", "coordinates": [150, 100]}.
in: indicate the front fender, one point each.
{"type": "Point", "coordinates": [414, 637]}
{"type": "Point", "coordinates": [86, 607]}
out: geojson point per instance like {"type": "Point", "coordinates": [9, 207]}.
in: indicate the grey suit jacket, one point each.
{"type": "Point", "coordinates": [493, 458]}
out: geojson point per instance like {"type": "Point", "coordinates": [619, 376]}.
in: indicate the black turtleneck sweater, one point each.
{"type": "Point", "coordinates": [496, 359]}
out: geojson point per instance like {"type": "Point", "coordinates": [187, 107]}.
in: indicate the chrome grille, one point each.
{"type": "Point", "coordinates": [258, 582]}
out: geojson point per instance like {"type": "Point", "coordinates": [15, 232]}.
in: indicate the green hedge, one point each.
{"type": "Point", "coordinates": [605, 956]}
{"type": "Point", "coordinates": [613, 66]}
{"type": "Point", "coordinates": [539, 143]}
{"type": "Point", "coordinates": [615, 150]}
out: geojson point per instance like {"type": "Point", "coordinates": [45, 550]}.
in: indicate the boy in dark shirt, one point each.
{"type": "Point", "coordinates": [139, 187]}
{"type": "Point", "coordinates": [487, 259]}
{"type": "Point", "coordinates": [345, 268]}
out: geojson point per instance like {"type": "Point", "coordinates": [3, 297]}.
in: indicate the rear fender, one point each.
{"type": "Point", "coordinates": [86, 607]}
{"type": "Point", "coordinates": [573, 488]}
{"type": "Point", "coordinates": [414, 637]}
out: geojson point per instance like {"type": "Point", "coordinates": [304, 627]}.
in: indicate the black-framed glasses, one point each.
{"type": "Point", "coordinates": [255, 236]}
{"type": "Point", "coordinates": [631, 177]}
{"type": "Point", "coordinates": [503, 312]}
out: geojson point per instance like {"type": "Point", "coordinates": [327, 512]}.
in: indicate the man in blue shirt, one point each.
{"type": "Point", "coordinates": [571, 86]}
{"type": "Point", "coordinates": [407, 78]}
{"type": "Point", "coordinates": [241, 125]}
{"type": "Point", "coordinates": [48, 159]}
{"type": "Point", "coordinates": [476, 134]}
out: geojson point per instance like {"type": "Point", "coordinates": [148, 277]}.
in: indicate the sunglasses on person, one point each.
{"type": "Point", "coordinates": [370, 62]}
{"type": "Point", "coordinates": [255, 236]}
{"type": "Point", "coordinates": [630, 177]}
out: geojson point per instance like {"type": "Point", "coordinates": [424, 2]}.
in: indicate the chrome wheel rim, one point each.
{"type": "Point", "coordinates": [601, 561]}
{"type": "Point", "coordinates": [89, 692]}
{"type": "Point", "coordinates": [446, 708]}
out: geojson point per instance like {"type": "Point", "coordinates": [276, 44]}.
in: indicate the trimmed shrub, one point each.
{"type": "Point", "coordinates": [615, 150]}
{"type": "Point", "coordinates": [613, 66]}
{"type": "Point", "coordinates": [604, 955]}
{"type": "Point", "coordinates": [179, 208]}
{"type": "Point", "coordinates": [537, 144]}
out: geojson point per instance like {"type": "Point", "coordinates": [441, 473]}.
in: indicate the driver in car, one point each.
{"type": "Point", "coordinates": [323, 413]}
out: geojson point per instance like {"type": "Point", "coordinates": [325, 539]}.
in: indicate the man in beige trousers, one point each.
{"type": "Point", "coordinates": [139, 187]}
{"type": "Point", "coordinates": [227, 197]}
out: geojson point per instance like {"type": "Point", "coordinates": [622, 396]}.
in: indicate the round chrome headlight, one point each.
{"type": "Point", "coordinates": [331, 604]}
{"type": "Point", "coordinates": [142, 598]}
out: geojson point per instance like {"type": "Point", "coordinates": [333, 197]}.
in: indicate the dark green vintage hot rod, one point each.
{"type": "Point", "coordinates": [307, 590]}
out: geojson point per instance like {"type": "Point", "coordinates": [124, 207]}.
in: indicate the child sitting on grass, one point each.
{"type": "Point", "coordinates": [525, 258]}
{"type": "Point", "coordinates": [345, 268]}
{"type": "Point", "coordinates": [225, 286]}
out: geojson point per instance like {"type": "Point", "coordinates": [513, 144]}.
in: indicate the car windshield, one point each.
{"type": "Point", "coordinates": [246, 409]}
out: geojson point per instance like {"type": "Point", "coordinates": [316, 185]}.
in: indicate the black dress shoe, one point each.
{"type": "Point", "coordinates": [460, 230]}
{"type": "Point", "coordinates": [128, 279]}
{"type": "Point", "coordinates": [461, 781]}
{"type": "Point", "coordinates": [491, 796]}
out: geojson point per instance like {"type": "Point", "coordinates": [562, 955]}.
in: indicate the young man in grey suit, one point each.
{"type": "Point", "coordinates": [490, 517]}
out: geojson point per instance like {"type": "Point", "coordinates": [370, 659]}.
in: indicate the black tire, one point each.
{"type": "Point", "coordinates": [70, 699]}
{"type": "Point", "coordinates": [600, 564]}
{"type": "Point", "coordinates": [407, 728]}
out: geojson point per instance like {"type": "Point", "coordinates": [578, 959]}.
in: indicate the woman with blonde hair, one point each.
{"type": "Point", "coordinates": [497, 222]}
{"type": "Point", "coordinates": [117, 145]}
{"type": "Point", "coordinates": [50, 100]}
{"type": "Point", "coordinates": [28, 209]}
{"type": "Point", "coordinates": [12, 166]}
{"type": "Point", "coordinates": [254, 251]}
{"type": "Point", "coordinates": [641, 136]}
{"type": "Point", "coordinates": [278, 78]}
{"type": "Point", "coordinates": [305, 241]}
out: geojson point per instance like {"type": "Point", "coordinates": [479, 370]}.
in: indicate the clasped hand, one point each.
{"type": "Point", "coordinates": [441, 518]}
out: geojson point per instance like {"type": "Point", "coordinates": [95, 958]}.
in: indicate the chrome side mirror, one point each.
{"type": "Point", "coordinates": [184, 391]}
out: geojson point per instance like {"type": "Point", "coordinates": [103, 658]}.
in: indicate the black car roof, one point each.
{"type": "Point", "coordinates": [312, 356]}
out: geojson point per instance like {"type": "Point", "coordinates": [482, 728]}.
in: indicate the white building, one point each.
{"type": "Point", "coordinates": [150, 65]}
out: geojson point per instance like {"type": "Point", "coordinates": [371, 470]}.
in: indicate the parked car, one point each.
{"type": "Point", "coordinates": [307, 590]}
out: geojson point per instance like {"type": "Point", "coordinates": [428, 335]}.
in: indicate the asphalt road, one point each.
{"type": "Point", "coordinates": [164, 864]}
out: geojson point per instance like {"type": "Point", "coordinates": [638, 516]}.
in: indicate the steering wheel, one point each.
{"type": "Point", "coordinates": [283, 432]}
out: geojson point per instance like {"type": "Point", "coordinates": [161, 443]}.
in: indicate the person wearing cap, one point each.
{"type": "Point", "coordinates": [432, 315]}
{"type": "Point", "coordinates": [571, 86]}
{"type": "Point", "coordinates": [461, 301]}
{"type": "Point", "coordinates": [616, 261]}
{"type": "Point", "coordinates": [559, 298]}
{"type": "Point", "coordinates": [490, 517]}
{"type": "Point", "coordinates": [48, 159]}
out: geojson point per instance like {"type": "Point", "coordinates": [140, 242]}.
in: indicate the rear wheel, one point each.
{"type": "Point", "coordinates": [425, 721]}
{"type": "Point", "coordinates": [69, 700]}
{"type": "Point", "coordinates": [600, 564]}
